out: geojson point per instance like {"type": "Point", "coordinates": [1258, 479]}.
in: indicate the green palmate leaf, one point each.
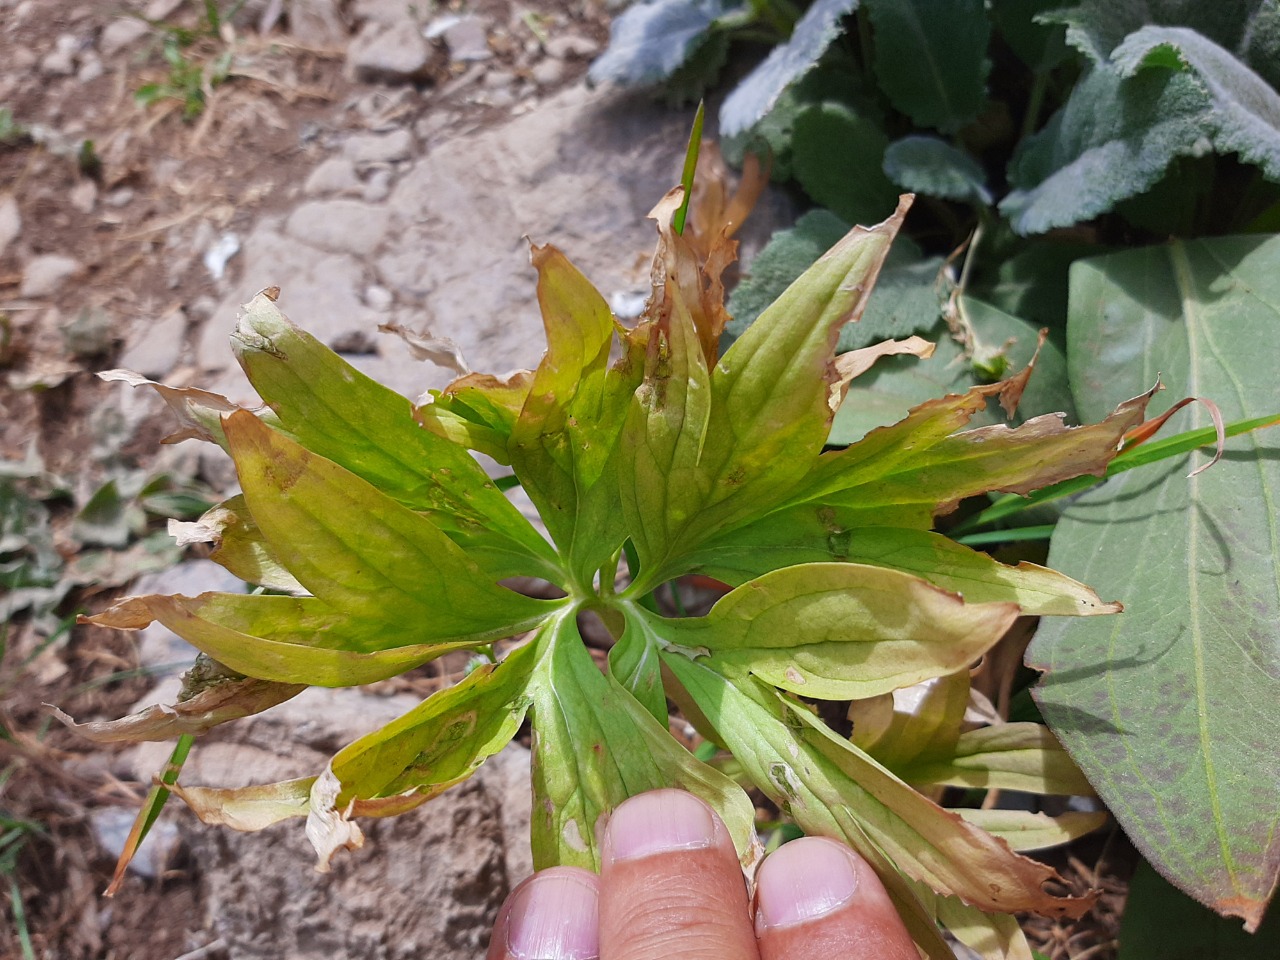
{"type": "Point", "coordinates": [758, 93]}
{"type": "Point", "coordinates": [838, 157]}
{"type": "Point", "coordinates": [634, 664]}
{"type": "Point", "coordinates": [652, 39]}
{"type": "Point", "coordinates": [706, 459]}
{"type": "Point", "coordinates": [238, 545]}
{"type": "Point", "coordinates": [1008, 756]}
{"type": "Point", "coordinates": [1167, 709]}
{"type": "Point", "coordinates": [935, 168]}
{"type": "Point", "coordinates": [930, 57]}
{"type": "Point", "coordinates": [362, 552]}
{"type": "Point", "coordinates": [287, 640]}
{"type": "Point", "coordinates": [1168, 93]}
{"type": "Point", "coordinates": [337, 412]}
{"type": "Point", "coordinates": [838, 630]}
{"type": "Point", "coordinates": [564, 442]}
{"type": "Point", "coordinates": [596, 746]}
{"type": "Point", "coordinates": [830, 787]}
{"type": "Point", "coordinates": [1034, 831]}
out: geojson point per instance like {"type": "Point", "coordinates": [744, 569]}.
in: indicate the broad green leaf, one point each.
{"type": "Point", "coordinates": [820, 534]}
{"type": "Point", "coordinates": [769, 407]}
{"type": "Point", "coordinates": [634, 664]}
{"type": "Point", "coordinates": [1023, 830]}
{"type": "Point", "coordinates": [830, 787]}
{"type": "Point", "coordinates": [1008, 756]}
{"type": "Point", "coordinates": [287, 640]}
{"type": "Point", "coordinates": [843, 630]}
{"type": "Point", "coordinates": [889, 390]}
{"type": "Point", "coordinates": [596, 746]}
{"type": "Point", "coordinates": [362, 552]}
{"type": "Point", "coordinates": [930, 57]}
{"type": "Point", "coordinates": [652, 39]}
{"type": "Point", "coordinates": [1041, 46]}
{"type": "Point", "coordinates": [1167, 708]}
{"type": "Point", "coordinates": [838, 157]}
{"type": "Point", "coordinates": [478, 411]}
{"type": "Point", "coordinates": [757, 94]}
{"type": "Point", "coordinates": [1162, 923]}
{"type": "Point", "coordinates": [563, 442]}
{"type": "Point", "coordinates": [218, 703]}
{"type": "Point", "coordinates": [1169, 92]}
{"type": "Point", "coordinates": [933, 167]}
{"type": "Point", "coordinates": [337, 412]}
{"type": "Point", "coordinates": [238, 545]}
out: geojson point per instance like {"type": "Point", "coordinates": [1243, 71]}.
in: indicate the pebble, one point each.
{"type": "Point", "coordinates": [548, 73]}
{"type": "Point", "coordinates": [121, 197]}
{"type": "Point", "coordinates": [369, 148]}
{"type": "Point", "coordinates": [91, 68]}
{"type": "Point", "coordinates": [378, 186]}
{"type": "Point", "coordinates": [397, 54]}
{"type": "Point", "coordinates": [336, 175]}
{"type": "Point", "coordinates": [84, 196]}
{"type": "Point", "coordinates": [344, 226]}
{"type": "Point", "coordinates": [572, 46]}
{"type": "Point", "coordinates": [45, 274]}
{"type": "Point", "coordinates": [61, 60]}
{"type": "Point", "coordinates": [120, 33]}
{"type": "Point", "coordinates": [156, 346]}
{"type": "Point", "coordinates": [378, 297]}
{"type": "Point", "coordinates": [10, 221]}
{"type": "Point", "coordinates": [467, 40]}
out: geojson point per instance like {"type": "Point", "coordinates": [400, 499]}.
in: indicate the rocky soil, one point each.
{"type": "Point", "coordinates": [383, 163]}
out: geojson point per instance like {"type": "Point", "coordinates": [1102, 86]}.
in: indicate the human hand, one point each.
{"type": "Point", "coordinates": [670, 885]}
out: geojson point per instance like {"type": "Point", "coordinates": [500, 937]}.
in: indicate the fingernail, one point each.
{"type": "Point", "coordinates": [658, 822]}
{"type": "Point", "coordinates": [806, 878]}
{"type": "Point", "coordinates": [554, 917]}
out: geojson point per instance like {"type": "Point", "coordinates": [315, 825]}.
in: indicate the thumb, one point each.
{"type": "Point", "coordinates": [671, 884]}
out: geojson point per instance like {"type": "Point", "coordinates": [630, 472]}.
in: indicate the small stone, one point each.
{"type": "Point", "coordinates": [398, 54]}
{"type": "Point", "coordinates": [159, 9]}
{"type": "Point", "coordinates": [84, 196]}
{"type": "Point", "coordinates": [343, 226]}
{"type": "Point", "coordinates": [44, 275]}
{"type": "Point", "coordinates": [378, 186]}
{"type": "Point", "coordinates": [156, 347]}
{"type": "Point", "coordinates": [61, 60]}
{"type": "Point", "coordinates": [121, 197]}
{"type": "Point", "coordinates": [336, 175]}
{"type": "Point", "coordinates": [91, 68]}
{"type": "Point", "coordinates": [317, 22]}
{"type": "Point", "coordinates": [386, 12]}
{"type": "Point", "coordinates": [378, 297]}
{"type": "Point", "coordinates": [548, 73]}
{"type": "Point", "coordinates": [498, 79]}
{"type": "Point", "coordinates": [572, 46]}
{"type": "Point", "coordinates": [120, 33]}
{"type": "Point", "coordinates": [10, 221]}
{"type": "Point", "coordinates": [467, 39]}
{"type": "Point", "coordinates": [369, 148]}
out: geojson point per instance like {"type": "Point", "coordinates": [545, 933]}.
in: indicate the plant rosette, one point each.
{"type": "Point", "coordinates": [385, 544]}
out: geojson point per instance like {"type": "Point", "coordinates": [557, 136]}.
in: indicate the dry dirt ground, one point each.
{"type": "Point", "coordinates": [108, 209]}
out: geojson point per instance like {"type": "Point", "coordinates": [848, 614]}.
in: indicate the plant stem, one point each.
{"type": "Point", "coordinates": [1035, 102]}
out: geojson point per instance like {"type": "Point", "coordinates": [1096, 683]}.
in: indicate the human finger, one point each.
{"type": "Point", "coordinates": [553, 915]}
{"type": "Point", "coordinates": [817, 899]}
{"type": "Point", "coordinates": [671, 883]}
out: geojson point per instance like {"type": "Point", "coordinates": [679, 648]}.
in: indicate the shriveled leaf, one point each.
{"type": "Point", "coordinates": [478, 411]}
{"type": "Point", "coordinates": [843, 630]}
{"type": "Point", "coordinates": [149, 813]}
{"type": "Point", "coordinates": [991, 936]}
{"type": "Point", "coordinates": [424, 345]}
{"type": "Point", "coordinates": [922, 720]}
{"type": "Point", "coordinates": [238, 545]}
{"type": "Point", "coordinates": [651, 40]}
{"type": "Point", "coordinates": [361, 551]}
{"type": "Point", "coordinates": [284, 639]}
{"type": "Point", "coordinates": [1008, 756]}
{"type": "Point", "coordinates": [1175, 698]}
{"type": "Point", "coordinates": [831, 788]}
{"type": "Point", "coordinates": [758, 93]}
{"type": "Point", "coordinates": [934, 168]}
{"type": "Point", "coordinates": [1024, 830]}
{"type": "Point", "coordinates": [248, 809]}
{"type": "Point", "coordinates": [930, 58]}
{"type": "Point", "coordinates": [838, 158]}
{"type": "Point", "coordinates": [228, 700]}
{"type": "Point", "coordinates": [587, 723]}
{"type": "Point", "coordinates": [199, 412]}
{"type": "Point", "coordinates": [337, 412]}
